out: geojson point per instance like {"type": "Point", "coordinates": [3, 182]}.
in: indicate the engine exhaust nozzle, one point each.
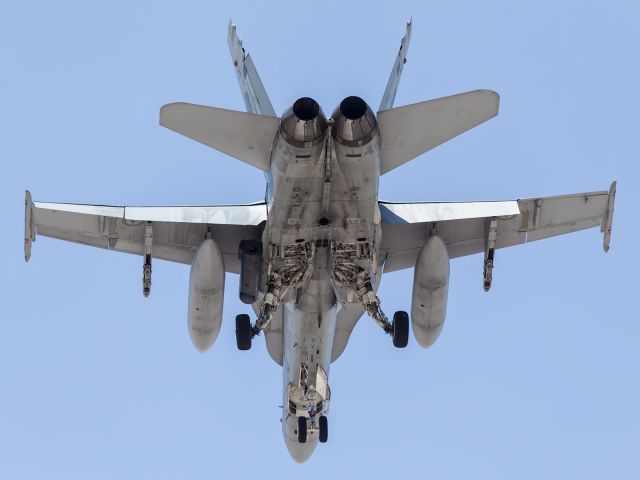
{"type": "Point", "coordinates": [304, 124]}
{"type": "Point", "coordinates": [354, 122]}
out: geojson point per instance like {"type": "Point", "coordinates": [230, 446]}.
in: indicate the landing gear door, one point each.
{"type": "Point", "coordinates": [322, 383]}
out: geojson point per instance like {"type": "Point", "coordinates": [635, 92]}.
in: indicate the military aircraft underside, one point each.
{"type": "Point", "coordinates": [312, 254]}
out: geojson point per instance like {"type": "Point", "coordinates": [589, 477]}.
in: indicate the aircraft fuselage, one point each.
{"type": "Point", "coordinates": [310, 258]}
{"type": "Point", "coordinates": [322, 198]}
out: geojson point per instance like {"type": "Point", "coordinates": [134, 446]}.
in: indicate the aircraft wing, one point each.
{"type": "Point", "coordinates": [466, 227]}
{"type": "Point", "coordinates": [174, 235]}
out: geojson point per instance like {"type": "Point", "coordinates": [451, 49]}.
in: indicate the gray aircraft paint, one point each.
{"type": "Point", "coordinates": [321, 225]}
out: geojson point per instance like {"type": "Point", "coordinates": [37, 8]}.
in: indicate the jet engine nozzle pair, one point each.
{"type": "Point", "coordinates": [304, 123]}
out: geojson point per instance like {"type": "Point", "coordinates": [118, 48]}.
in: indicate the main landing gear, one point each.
{"type": "Point", "coordinates": [243, 332]}
{"type": "Point", "coordinates": [295, 264]}
{"type": "Point", "coordinates": [347, 272]}
{"type": "Point", "coordinates": [400, 328]}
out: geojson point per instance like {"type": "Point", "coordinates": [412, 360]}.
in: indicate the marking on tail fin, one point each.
{"type": "Point", "coordinates": [254, 94]}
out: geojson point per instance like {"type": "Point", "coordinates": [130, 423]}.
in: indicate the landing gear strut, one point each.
{"type": "Point", "coordinates": [295, 263]}
{"type": "Point", "coordinates": [348, 273]}
{"type": "Point", "coordinates": [308, 402]}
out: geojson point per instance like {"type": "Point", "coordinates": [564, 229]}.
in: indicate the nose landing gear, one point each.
{"type": "Point", "coordinates": [309, 403]}
{"type": "Point", "coordinates": [322, 427]}
{"type": "Point", "coordinates": [302, 429]}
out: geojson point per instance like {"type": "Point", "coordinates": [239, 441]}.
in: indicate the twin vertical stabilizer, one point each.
{"type": "Point", "coordinates": [394, 79]}
{"type": "Point", "coordinates": [253, 92]}
{"type": "Point", "coordinates": [405, 132]}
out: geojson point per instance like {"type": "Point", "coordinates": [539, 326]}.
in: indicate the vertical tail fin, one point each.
{"type": "Point", "coordinates": [255, 96]}
{"type": "Point", "coordinates": [394, 79]}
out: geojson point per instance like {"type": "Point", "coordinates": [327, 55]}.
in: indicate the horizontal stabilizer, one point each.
{"type": "Point", "coordinates": [412, 130]}
{"type": "Point", "coordinates": [245, 136]}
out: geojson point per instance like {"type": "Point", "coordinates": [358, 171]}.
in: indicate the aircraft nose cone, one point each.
{"type": "Point", "coordinates": [300, 452]}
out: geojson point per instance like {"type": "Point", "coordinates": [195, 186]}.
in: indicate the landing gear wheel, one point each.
{"type": "Point", "coordinates": [324, 429]}
{"type": "Point", "coordinates": [243, 332]}
{"type": "Point", "coordinates": [302, 429]}
{"type": "Point", "coordinates": [400, 329]}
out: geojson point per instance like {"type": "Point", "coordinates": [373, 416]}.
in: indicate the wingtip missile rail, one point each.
{"type": "Point", "coordinates": [607, 219]}
{"type": "Point", "coordinates": [29, 225]}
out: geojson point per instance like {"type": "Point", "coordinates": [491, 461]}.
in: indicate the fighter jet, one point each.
{"type": "Point", "coordinates": [312, 255]}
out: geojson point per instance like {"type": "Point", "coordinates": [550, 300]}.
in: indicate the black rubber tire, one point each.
{"type": "Point", "coordinates": [400, 329]}
{"type": "Point", "coordinates": [243, 331]}
{"type": "Point", "coordinates": [302, 429]}
{"type": "Point", "coordinates": [324, 429]}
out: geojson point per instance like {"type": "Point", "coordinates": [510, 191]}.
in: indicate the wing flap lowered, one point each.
{"type": "Point", "coordinates": [406, 227]}
{"type": "Point", "coordinates": [392, 212]}
{"type": "Point", "coordinates": [177, 231]}
{"type": "Point", "coordinates": [245, 136]}
{"type": "Point", "coordinates": [409, 131]}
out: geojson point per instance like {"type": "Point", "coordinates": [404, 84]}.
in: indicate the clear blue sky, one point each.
{"type": "Point", "coordinates": [539, 378]}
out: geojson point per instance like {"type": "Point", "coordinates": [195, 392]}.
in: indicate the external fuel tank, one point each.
{"type": "Point", "coordinates": [430, 289]}
{"type": "Point", "coordinates": [206, 294]}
